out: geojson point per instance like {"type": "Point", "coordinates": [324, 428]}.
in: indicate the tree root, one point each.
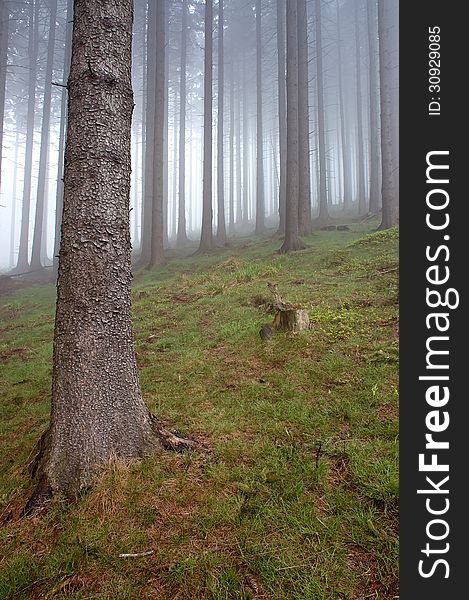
{"type": "Point", "coordinates": [171, 441]}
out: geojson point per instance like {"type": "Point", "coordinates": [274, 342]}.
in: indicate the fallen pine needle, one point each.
{"type": "Point", "coordinates": [136, 554]}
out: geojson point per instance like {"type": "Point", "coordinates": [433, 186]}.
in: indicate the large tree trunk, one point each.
{"type": "Point", "coordinates": [282, 115]}
{"type": "Point", "coordinates": [322, 190]}
{"type": "Point", "coordinates": [39, 229]}
{"type": "Point", "coordinates": [206, 237]}
{"type": "Point", "coordinates": [292, 240]}
{"type": "Point", "coordinates": [157, 219]}
{"type": "Point", "coordinates": [97, 407]}
{"type": "Point", "coordinates": [33, 45]}
{"type": "Point", "coordinates": [390, 216]}
{"type": "Point", "coordinates": [260, 201]}
{"type": "Point", "coordinates": [181, 229]}
{"type": "Point", "coordinates": [304, 175]}
{"type": "Point", "coordinates": [221, 224]}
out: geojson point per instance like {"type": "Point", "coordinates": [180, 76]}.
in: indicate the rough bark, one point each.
{"type": "Point", "coordinates": [292, 240]}
{"type": "Point", "coordinates": [221, 224]}
{"type": "Point", "coordinates": [304, 175]}
{"type": "Point", "coordinates": [206, 236]}
{"type": "Point", "coordinates": [97, 408]}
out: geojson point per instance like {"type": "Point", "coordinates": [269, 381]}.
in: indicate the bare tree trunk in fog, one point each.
{"type": "Point", "coordinates": [322, 200]}
{"type": "Point", "coordinates": [4, 22]}
{"type": "Point", "coordinates": [374, 149]}
{"type": "Point", "coordinates": [245, 143]}
{"type": "Point", "coordinates": [292, 239]}
{"type": "Point", "coordinates": [33, 46]}
{"type": "Point", "coordinates": [231, 228]}
{"type": "Point", "coordinates": [386, 66]}
{"type": "Point", "coordinates": [260, 200]}
{"type": "Point", "coordinates": [362, 207]}
{"type": "Point", "coordinates": [181, 230]}
{"type": "Point", "coordinates": [304, 176]}
{"type": "Point", "coordinates": [175, 168]}
{"type": "Point", "coordinates": [157, 235]}
{"type": "Point", "coordinates": [345, 150]}
{"type": "Point", "coordinates": [39, 231]}
{"type": "Point", "coordinates": [147, 203]}
{"type": "Point", "coordinates": [239, 201]}
{"type": "Point", "coordinates": [206, 236]}
{"type": "Point", "coordinates": [13, 201]}
{"type": "Point", "coordinates": [282, 114]}
{"type": "Point", "coordinates": [166, 130]}
{"type": "Point", "coordinates": [63, 123]}
{"type": "Point", "coordinates": [221, 225]}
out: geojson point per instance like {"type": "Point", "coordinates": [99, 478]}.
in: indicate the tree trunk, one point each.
{"type": "Point", "coordinates": [147, 203]}
{"type": "Point", "coordinates": [362, 207]}
{"type": "Point", "coordinates": [304, 175]}
{"type": "Point", "coordinates": [292, 240]}
{"type": "Point", "coordinates": [206, 236]}
{"type": "Point", "coordinates": [239, 197]}
{"type": "Point", "coordinates": [245, 143]}
{"type": "Point", "coordinates": [13, 201]}
{"type": "Point", "coordinates": [63, 119]}
{"type": "Point", "coordinates": [260, 201]}
{"type": "Point", "coordinates": [39, 229]}
{"type": "Point", "coordinates": [4, 23]}
{"type": "Point", "coordinates": [157, 222]}
{"type": "Point", "coordinates": [374, 150]}
{"type": "Point", "coordinates": [33, 45]}
{"type": "Point", "coordinates": [181, 230]}
{"type": "Point", "coordinates": [282, 114]}
{"type": "Point", "coordinates": [221, 225]}
{"type": "Point", "coordinates": [322, 191]}
{"type": "Point", "coordinates": [97, 407]}
{"type": "Point", "coordinates": [231, 229]}
{"type": "Point", "coordinates": [390, 215]}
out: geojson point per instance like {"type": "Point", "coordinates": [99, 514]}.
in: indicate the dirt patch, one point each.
{"type": "Point", "coordinates": [364, 565]}
{"type": "Point", "coordinates": [387, 412]}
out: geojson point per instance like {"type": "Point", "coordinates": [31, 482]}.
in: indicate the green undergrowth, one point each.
{"type": "Point", "coordinates": [297, 497]}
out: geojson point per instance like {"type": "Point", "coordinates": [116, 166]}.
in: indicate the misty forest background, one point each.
{"type": "Point", "coordinates": [339, 118]}
{"type": "Point", "coordinates": [264, 183]}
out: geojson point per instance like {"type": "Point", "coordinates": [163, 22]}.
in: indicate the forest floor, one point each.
{"type": "Point", "coordinates": [297, 495]}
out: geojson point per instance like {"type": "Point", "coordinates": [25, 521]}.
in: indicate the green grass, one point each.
{"type": "Point", "coordinates": [298, 497]}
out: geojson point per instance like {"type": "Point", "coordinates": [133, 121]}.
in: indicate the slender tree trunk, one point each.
{"type": "Point", "coordinates": [345, 151]}
{"type": "Point", "coordinates": [322, 200]}
{"type": "Point", "coordinates": [282, 115]}
{"type": "Point", "coordinates": [362, 207]}
{"type": "Point", "coordinates": [63, 123]}
{"type": "Point", "coordinates": [260, 200]}
{"type": "Point", "coordinates": [13, 201]}
{"type": "Point", "coordinates": [390, 215]}
{"type": "Point", "coordinates": [39, 229]}
{"type": "Point", "coordinates": [374, 149]}
{"type": "Point", "coordinates": [239, 201]}
{"type": "Point", "coordinates": [175, 171]}
{"type": "Point", "coordinates": [304, 181]}
{"type": "Point", "coordinates": [33, 45]}
{"type": "Point", "coordinates": [149, 150]}
{"type": "Point", "coordinates": [206, 237]}
{"type": "Point", "coordinates": [4, 23]}
{"type": "Point", "coordinates": [157, 225]}
{"type": "Point", "coordinates": [221, 224]}
{"type": "Point", "coordinates": [166, 132]}
{"type": "Point", "coordinates": [181, 230]}
{"type": "Point", "coordinates": [292, 239]}
{"type": "Point", "coordinates": [245, 144]}
{"type": "Point", "coordinates": [231, 229]}
{"type": "Point", "coordinates": [97, 407]}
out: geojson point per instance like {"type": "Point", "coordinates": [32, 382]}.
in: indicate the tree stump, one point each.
{"type": "Point", "coordinates": [288, 317]}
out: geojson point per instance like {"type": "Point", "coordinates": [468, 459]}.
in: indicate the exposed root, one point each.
{"type": "Point", "coordinates": [170, 441]}
{"type": "Point", "coordinates": [36, 503]}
